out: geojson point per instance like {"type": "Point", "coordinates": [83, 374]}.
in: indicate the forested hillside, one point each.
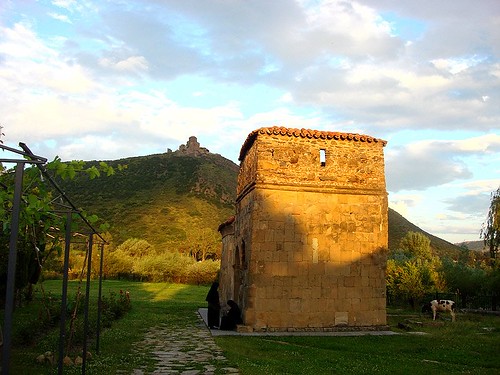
{"type": "Point", "coordinates": [168, 199]}
{"type": "Point", "coordinates": [174, 200]}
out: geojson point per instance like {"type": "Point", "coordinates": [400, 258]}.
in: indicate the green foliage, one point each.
{"type": "Point", "coordinates": [138, 260]}
{"type": "Point", "coordinates": [119, 264]}
{"type": "Point", "coordinates": [405, 281]}
{"type": "Point", "coordinates": [413, 271]}
{"type": "Point", "coordinates": [135, 247]}
{"type": "Point", "coordinates": [114, 306]}
{"type": "Point", "coordinates": [202, 244]}
{"type": "Point", "coordinates": [465, 279]}
{"type": "Point", "coordinates": [168, 267]}
{"type": "Point", "coordinates": [490, 232]}
{"type": "Point", "coordinates": [493, 282]}
{"type": "Point", "coordinates": [202, 273]}
{"type": "Point", "coordinates": [35, 320]}
{"type": "Point", "coordinates": [37, 218]}
{"type": "Point", "coordinates": [417, 245]}
{"type": "Point", "coordinates": [174, 267]}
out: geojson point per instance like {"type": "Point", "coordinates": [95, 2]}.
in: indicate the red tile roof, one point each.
{"type": "Point", "coordinates": [304, 133]}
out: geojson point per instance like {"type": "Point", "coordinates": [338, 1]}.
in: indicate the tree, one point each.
{"type": "Point", "coordinates": [136, 248]}
{"type": "Point", "coordinates": [202, 245]}
{"type": "Point", "coordinates": [405, 281]}
{"type": "Point", "coordinates": [38, 217]}
{"type": "Point", "coordinates": [490, 231]}
{"type": "Point", "coordinates": [467, 280]}
{"type": "Point", "coordinates": [417, 245]}
{"type": "Point", "coordinates": [411, 285]}
{"type": "Point", "coordinates": [412, 270]}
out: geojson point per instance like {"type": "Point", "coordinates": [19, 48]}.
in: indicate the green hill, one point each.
{"type": "Point", "coordinates": [399, 226]}
{"type": "Point", "coordinates": [175, 198]}
{"type": "Point", "coordinates": [167, 199]}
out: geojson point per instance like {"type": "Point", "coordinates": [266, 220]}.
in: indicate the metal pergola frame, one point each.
{"type": "Point", "coordinates": [40, 162]}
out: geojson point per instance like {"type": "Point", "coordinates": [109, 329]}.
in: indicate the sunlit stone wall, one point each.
{"type": "Point", "coordinates": [310, 231]}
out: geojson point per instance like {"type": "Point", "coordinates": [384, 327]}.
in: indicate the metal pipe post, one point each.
{"type": "Point", "coordinates": [86, 312]}
{"type": "Point", "coordinates": [11, 268]}
{"type": "Point", "coordinates": [99, 302]}
{"type": "Point", "coordinates": [62, 331]}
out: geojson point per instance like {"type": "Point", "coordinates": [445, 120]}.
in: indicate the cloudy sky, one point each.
{"type": "Point", "coordinates": [107, 79]}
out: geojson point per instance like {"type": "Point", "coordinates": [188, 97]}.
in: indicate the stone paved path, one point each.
{"type": "Point", "coordinates": [184, 350]}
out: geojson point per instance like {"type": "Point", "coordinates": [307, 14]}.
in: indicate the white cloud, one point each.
{"type": "Point", "coordinates": [481, 186]}
{"type": "Point", "coordinates": [59, 17]}
{"type": "Point", "coordinates": [359, 23]}
{"type": "Point", "coordinates": [74, 6]}
{"type": "Point", "coordinates": [131, 64]}
{"type": "Point", "coordinates": [102, 86]}
{"type": "Point", "coordinates": [456, 65]}
{"type": "Point", "coordinates": [21, 42]}
{"type": "Point", "coordinates": [66, 4]}
{"type": "Point", "coordinates": [30, 66]}
{"type": "Point", "coordinates": [401, 203]}
{"type": "Point", "coordinates": [487, 143]}
{"type": "Point", "coordinates": [423, 164]}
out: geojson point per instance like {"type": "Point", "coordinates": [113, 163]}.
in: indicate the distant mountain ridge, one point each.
{"type": "Point", "coordinates": [473, 245]}
{"type": "Point", "coordinates": [169, 199]}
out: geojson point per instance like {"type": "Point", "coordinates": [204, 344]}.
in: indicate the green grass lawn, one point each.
{"type": "Point", "coordinates": [471, 345]}
{"type": "Point", "coordinates": [152, 304]}
{"type": "Point", "coordinates": [402, 354]}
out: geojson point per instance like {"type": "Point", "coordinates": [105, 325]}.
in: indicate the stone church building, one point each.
{"type": "Point", "coordinates": [306, 249]}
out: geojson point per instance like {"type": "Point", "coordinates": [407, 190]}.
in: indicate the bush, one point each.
{"type": "Point", "coordinates": [137, 260]}
{"type": "Point", "coordinates": [44, 316]}
{"type": "Point", "coordinates": [202, 273]}
{"type": "Point", "coordinates": [120, 265]}
{"type": "Point", "coordinates": [136, 247]}
{"type": "Point", "coordinates": [170, 267]}
{"type": "Point", "coordinates": [114, 307]}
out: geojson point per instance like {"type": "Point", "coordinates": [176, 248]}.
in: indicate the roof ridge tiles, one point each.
{"type": "Point", "coordinates": [305, 133]}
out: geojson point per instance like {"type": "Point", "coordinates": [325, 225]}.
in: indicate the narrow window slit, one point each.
{"type": "Point", "coordinates": [322, 157]}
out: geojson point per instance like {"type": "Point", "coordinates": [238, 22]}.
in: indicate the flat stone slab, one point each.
{"type": "Point", "coordinates": [344, 333]}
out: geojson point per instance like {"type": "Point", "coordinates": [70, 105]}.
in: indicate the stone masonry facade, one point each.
{"type": "Point", "coordinates": [306, 249]}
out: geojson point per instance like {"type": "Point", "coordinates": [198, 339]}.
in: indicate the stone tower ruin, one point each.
{"type": "Point", "coordinates": [306, 249]}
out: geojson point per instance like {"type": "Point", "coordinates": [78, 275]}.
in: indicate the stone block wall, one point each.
{"type": "Point", "coordinates": [310, 231]}
{"type": "Point", "coordinates": [351, 161]}
{"type": "Point", "coordinates": [226, 274]}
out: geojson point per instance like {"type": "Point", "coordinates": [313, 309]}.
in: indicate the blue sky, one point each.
{"type": "Point", "coordinates": [112, 79]}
